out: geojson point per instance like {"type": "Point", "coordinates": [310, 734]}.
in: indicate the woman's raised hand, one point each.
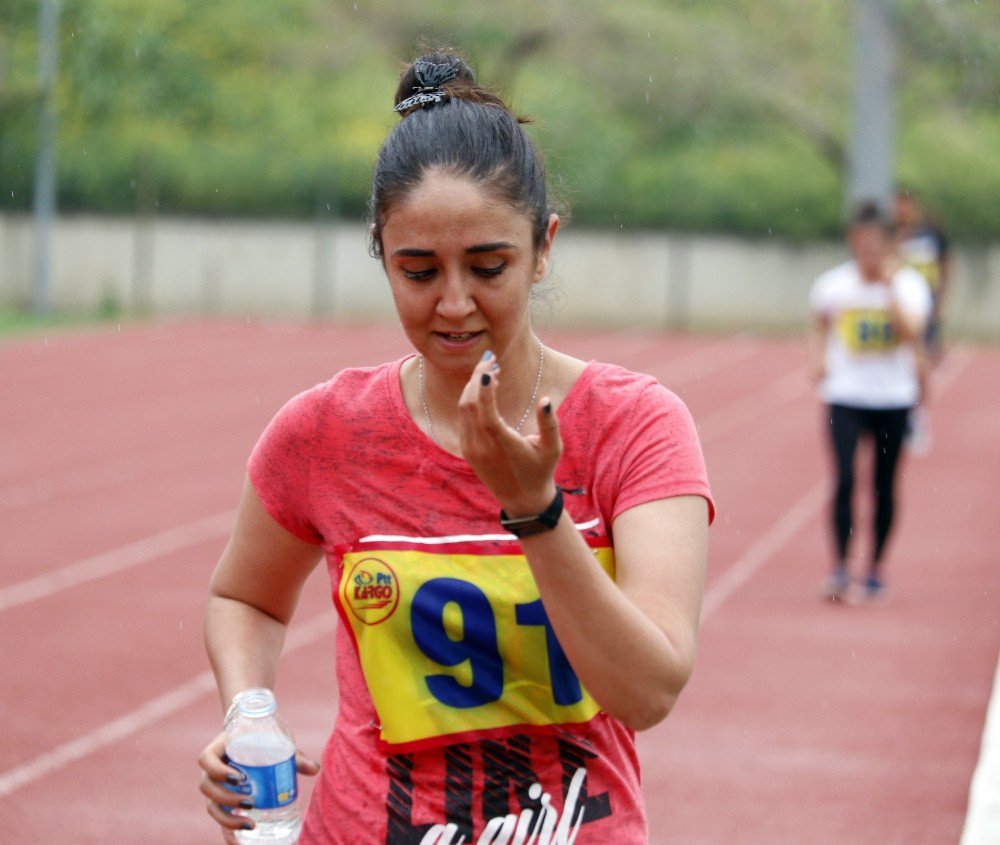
{"type": "Point", "coordinates": [517, 469]}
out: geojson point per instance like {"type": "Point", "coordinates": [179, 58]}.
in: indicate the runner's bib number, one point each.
{"type": "Point", "coordinates": [867, 330]}
{"type": "Point", "coordinates": [454, 641]}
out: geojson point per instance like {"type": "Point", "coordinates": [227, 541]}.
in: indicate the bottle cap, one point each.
{"type": "Point", "coordinates": [256, 702]}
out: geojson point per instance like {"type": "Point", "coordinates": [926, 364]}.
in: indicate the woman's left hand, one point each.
{"type": "Point", "coordinates": [517, 469]}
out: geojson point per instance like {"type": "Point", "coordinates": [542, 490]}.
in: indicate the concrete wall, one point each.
{"type": "Point", "coordinates": [599, 278]}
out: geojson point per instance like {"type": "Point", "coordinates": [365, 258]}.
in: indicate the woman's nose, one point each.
{"type": "Point", "coordinates": [456, 300]}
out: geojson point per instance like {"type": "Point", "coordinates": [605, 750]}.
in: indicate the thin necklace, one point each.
{"type": "Point", "coordinates": [520, 422]}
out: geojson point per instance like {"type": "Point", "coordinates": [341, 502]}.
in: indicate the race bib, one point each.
{"type": "Point", "coordinates": [865, 330]}
{"type": "Point", "coordinates": [453, 640]}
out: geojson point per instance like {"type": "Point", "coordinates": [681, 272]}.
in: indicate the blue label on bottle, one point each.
{"type": "Point", "coordinates": [269, 787]}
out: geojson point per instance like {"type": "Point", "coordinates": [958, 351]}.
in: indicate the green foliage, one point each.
{"type": "Point", "coordinates": [690, 114]}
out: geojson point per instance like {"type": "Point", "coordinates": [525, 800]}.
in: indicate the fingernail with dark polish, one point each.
{"type": "Point", "coordinates": [247, 825]}
{"type": "Point", "coordinates": [548, 408]}
{"type": "Point", "coordinates": [486, 380]}
{"type": "Point", "coordinates": [235, 780]}
{"type": "Point", "coordinates": [246, 804]}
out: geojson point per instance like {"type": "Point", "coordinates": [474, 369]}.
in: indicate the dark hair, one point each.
{"type": "Point", "coordinates": [471, 133]}
{"type": "Point", "coordinates": [869, 213]}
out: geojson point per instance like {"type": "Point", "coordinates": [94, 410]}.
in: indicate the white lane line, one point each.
{"type": "Point", "coordinates": [795, 517]}
{"type": "Point", "coordinates": [982, 823]}
{"type": "Point", "coordinates": [766, 545]}
{"type": "Point", "coordinates": [117, 560]}
{"type": "Point", "coordinates": [144, 716]}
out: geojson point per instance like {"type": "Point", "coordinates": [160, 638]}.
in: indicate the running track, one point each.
{"type": "Point", "coordinates": [122, 458]}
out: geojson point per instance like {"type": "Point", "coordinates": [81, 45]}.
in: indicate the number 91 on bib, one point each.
{"type": "Point", "coordinates": [457, 645]}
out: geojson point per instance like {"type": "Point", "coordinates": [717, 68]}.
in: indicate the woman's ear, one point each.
{"type": "Point", "coordinates": [542, 260]}
{"type": "Point", "coordinates": [375, 243]}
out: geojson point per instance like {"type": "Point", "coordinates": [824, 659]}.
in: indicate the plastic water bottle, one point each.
{"type": "Point", "coordinates": [259, 744]}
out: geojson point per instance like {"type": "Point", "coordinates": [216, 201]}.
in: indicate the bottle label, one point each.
{"type": "Point", "coordinates": [269, 787]}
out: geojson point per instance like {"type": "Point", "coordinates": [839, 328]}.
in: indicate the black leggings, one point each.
{"type": "Point", "coordinates": [846, 426]}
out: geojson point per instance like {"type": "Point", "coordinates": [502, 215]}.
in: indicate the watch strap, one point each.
{"type": "Point", "coordinates": [525, 526]}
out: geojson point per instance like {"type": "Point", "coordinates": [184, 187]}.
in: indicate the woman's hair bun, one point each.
{"type": "Point", "coordinates": [441, 69]}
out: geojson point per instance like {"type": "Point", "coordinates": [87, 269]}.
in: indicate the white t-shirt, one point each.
{"type": "Point", "coordinates": [866, 365]}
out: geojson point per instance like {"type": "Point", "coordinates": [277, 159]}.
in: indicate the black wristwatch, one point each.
{"type": "Point", "coordinates": [525, 526]}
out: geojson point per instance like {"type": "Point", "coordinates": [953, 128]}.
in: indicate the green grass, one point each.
{"type": "Point", "coordinates": [15, 322]}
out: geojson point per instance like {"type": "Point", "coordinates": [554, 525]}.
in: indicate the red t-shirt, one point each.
{"type": "Point", "coordinates": [460, 720]}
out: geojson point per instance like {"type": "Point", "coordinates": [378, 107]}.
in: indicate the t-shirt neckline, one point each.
{"type": "Point", "coordinates": [440, 455]}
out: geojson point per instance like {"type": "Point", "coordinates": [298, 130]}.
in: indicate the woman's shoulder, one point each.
{"type": "Point", "coordinates": [351, 388]}
{"type": "Point", "coordinates": [844, 273]}
{"type": "Point", "coordinates": [612, 391]}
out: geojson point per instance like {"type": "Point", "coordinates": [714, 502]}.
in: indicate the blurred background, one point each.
{"type": "Point", "coordinates": [216, 158]}
{"type": "Point", "coordinates": [188, 181]}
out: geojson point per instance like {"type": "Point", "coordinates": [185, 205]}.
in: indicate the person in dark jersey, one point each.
{"type": "Point", "coordinates": [516, 539]}
{"type": "Point", "coordinates": [925, 247]}
{"type": "Point", "coordinates": [868, 318]}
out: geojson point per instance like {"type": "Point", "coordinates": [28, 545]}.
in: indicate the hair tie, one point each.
{"type": "Point", "coordinates": [431, 78]}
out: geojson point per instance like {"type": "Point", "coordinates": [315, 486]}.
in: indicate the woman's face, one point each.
{"type": "Point", "coordinates": [871, 246]}
{"type": "Point", "coordinates": [461, 266]}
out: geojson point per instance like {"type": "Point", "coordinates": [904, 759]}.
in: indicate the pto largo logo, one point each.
{"type": "Point", "coordinates": [372, 591]}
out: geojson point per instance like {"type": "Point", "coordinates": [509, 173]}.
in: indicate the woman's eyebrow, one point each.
{"type": "Point", "coordinates": [414, 252]}
{"type": "Point", "coordinates": [493, 247]}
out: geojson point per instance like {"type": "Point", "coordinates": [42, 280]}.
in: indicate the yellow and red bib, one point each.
{"type": "Point", "coordinates": [453, 640]}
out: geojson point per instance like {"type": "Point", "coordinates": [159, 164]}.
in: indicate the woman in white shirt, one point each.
{"type": "Point", "coordinates": [868, 315]}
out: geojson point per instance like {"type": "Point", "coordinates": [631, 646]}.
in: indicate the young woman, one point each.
{"type": "Point", "coordinates": [868, 319]}
{"type": "Point", "coordinates": [516, 538]}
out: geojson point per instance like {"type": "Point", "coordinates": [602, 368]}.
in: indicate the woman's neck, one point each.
{"type": "Point", "coordinates": [520, 377]}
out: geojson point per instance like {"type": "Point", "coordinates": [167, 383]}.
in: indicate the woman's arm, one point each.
{"type": "Point", "coordinates": [631, 641]}
{"type": "Point", "coordinates": [819, 325]}
{"type": "Point", "coordinates": [252, 596]}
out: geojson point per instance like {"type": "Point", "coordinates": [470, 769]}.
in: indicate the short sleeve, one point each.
{"type": "Point", "coordinates": [818, 297]}
{"type": "Point", "coordinates": [661, 455]}
{"type": "Point", "coordinates": [279, 465]}
{"type": "Point", "coordinates": [914, 293]}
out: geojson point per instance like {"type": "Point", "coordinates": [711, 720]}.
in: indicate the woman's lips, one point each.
{"type": "Point", "coordinates": [458, 340]}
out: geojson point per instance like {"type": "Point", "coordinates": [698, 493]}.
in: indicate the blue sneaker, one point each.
{"type": "Point", "coordinates": [875, 589]}
{"type": "Point", "coordinates": [837, 584]}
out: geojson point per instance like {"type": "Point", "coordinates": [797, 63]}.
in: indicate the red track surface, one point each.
{"type": "Point", "coordinates": [804, 722]}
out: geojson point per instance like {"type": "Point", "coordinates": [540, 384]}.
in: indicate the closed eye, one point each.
{"type": "Point", "coordinates": [419, 275]}
{"type": "Point", "coordinates": [489, 272]}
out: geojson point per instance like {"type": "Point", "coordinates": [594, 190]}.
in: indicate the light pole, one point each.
{"type": "Point", "coordinates": [870, 157]}
{"type": "Point", "coordinates": [45, 165]}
